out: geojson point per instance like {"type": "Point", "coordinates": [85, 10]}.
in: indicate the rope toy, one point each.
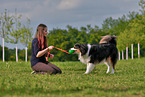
{"type": "Point", "coordinates": [70, 52]}
{"type": "Point", "coordinates": [48, 56]}
{"type": "Point", "coordinates": [62, 50]}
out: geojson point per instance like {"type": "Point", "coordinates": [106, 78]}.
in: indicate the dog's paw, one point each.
{"type": "Point", "coordinates": [85, 73]}
{"type": "Point", "coordinates": [112, 73]}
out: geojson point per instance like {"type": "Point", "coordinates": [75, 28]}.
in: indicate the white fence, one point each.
{"type": "Point", "coordinates": [127, 53]}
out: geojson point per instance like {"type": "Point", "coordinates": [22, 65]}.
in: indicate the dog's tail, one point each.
{"type": "Point", "coordinates": [108, 39]}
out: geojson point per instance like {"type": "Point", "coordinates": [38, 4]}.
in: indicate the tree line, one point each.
{"type": "Point", "coordinates": [129, 29]}
{"type": "Point", "coordinates": [13, 31]}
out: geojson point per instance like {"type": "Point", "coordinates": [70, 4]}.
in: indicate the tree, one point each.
{"type": "Point", "coordinates": [135, 32]}
{"type": "Point", "coordinates": [16, 32]}
{"type": "Point", "coordinates": [6, 23]}
{"type": "Point", "coordinates": [114, 26]}
{"type": "Point", "coordinates": [142, 5]}
{"type": "Point", "coordinates": [26, 32]}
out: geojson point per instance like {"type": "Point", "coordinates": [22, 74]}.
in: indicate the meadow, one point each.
{"type": "Point", "coordinates": [16, 80]}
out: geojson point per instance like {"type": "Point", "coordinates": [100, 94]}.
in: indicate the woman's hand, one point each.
{"type": "Point", "coordinates": [51, 56]}
{"type": "Point", "coordinates": [50, 47]}
{"type": "Point", "coordinates": [41, 53]}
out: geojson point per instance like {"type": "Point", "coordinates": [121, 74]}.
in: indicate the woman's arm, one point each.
{"type": "Point", "coordinates": [41, 53]}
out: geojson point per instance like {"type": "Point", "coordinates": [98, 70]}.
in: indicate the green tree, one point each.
{"type": "Point", "coordinates": [61, 39]}
{"type": "Point", "coordinates": [142, 5]}
{"type": "Point", "coordinates": [0, 52]}
{"type": "Point", "coordinates": [26, 32]}
{"type": "Point", "coordinates": [114, 26]}
{"type": "Point", "coordinates": [6, 22]}
{"type": "Point", "coordinates": [16, 32]}
{"type": "Point", "coordinates": [135, 32]}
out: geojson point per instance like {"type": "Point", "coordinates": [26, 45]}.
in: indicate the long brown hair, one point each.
{"type": "Point", "coordinates": [40, 36]}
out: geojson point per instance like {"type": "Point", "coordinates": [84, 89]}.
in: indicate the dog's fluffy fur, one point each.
{"type": "Point", "coordinates": [105, 51]}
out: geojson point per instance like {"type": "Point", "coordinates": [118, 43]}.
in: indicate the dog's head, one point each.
{"type": "Point", "coordinates": [81, 48]}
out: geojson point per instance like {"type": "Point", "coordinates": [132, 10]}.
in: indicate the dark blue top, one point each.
{"type": "Point", "coordinates": [34, 50]}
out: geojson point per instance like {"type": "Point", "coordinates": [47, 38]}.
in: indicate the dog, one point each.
{"type": "Point", "coordinates": [106, 51]}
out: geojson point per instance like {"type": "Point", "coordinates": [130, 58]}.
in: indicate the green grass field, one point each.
{"type": "Point", "coordinates": [128, 80]}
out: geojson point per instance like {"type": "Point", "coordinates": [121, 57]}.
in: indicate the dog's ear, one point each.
{"type": "Point", "coordinates": [77, 46]}
{"type": "Point", "coordinates": [83, 49]}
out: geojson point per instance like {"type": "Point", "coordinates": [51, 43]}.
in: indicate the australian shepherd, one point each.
{"type": "Point", "coordinates": [106, 51]}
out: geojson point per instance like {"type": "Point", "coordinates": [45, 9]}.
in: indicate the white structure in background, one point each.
{"type": "Point", "coordinates": [3, 50]}
{"type": "Point", "coordinates": [126, 53]}
{"type": "Point", "coordinates": [16, 53]}
{"type": "Point", "coordinates": [138, 51]}
{"type": "Point", "coordinates": [131, 51]}
{"type": "Point", "coordinates": [26, 54]}
{"type": "Point", "coordinates": [122, 55]}
{"type": "Point", "coordinates": [119, 55]}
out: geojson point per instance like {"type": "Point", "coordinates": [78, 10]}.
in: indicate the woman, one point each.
{"type": "Point", "coordinates": [39, 50]}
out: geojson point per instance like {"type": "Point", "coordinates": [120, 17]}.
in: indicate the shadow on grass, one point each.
{"type": "Point", "coordinates": [28, 91]}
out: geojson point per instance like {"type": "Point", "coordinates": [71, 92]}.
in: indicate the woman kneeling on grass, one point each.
{"type": "Point", "coordinates": [39, 50]}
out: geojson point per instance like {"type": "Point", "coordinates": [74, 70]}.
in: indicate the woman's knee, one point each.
{"type": "Point", "coordinates": [59, 71]}
{"type": "Point", "coordinates": [56, 71]}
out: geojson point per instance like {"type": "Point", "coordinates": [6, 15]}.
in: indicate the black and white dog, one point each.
{"type": "Point", "coordinates": [106, 51]}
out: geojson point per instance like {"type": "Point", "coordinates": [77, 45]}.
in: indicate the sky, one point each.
{"type": "Point", "coordinates": [60, 13]}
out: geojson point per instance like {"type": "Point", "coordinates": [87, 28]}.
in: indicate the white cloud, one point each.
{"type": "Point", "coordinates": [68, 4]}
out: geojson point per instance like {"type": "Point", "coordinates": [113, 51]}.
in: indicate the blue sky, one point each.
{"type": "Point", "coordinates": [77, 13]}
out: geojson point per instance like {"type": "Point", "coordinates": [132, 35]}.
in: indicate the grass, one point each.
{"type": "Point", "coordinates": [128, 80]}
